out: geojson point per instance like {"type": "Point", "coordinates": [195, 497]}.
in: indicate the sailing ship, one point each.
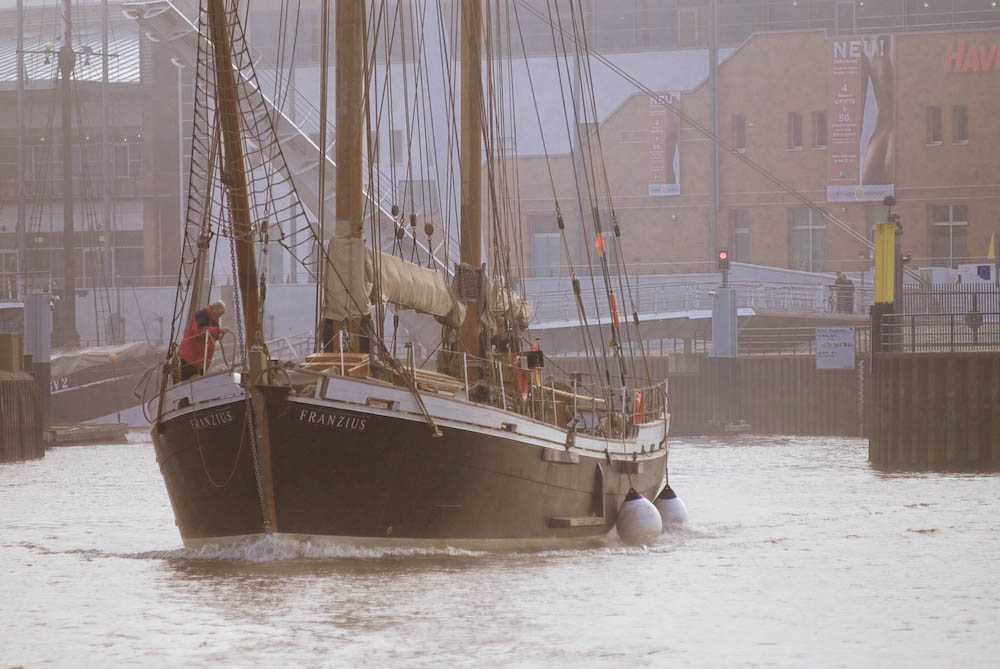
{"type": "Point", "coordinates": [355, 443]}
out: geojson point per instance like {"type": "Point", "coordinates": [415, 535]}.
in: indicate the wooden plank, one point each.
{"type": "Point", "coordinates": [935, 413]}
{"type": "Point", "coordinates": [918, 404]}
{"type": "Point", "coordinates": [884, 432]}
{"type": "Point", "coordinates": [561, 457]}
{"type": "Point", "coordinates": [951, 435]}
{"type": "Point", "coordinates": [995, 414]}
{"type": "Point", "coordinates": [972, 406]}
{"type": "Point", "coordinates": [907, 378]}
{"type": "Point", "coordinates": [578, 521]}
{"type": "Point", "coordinates": [892, 432]}
{"type": "Point", "coordinates": [626, 467]}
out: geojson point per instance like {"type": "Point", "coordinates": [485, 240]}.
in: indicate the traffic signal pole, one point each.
{"type": "Point", "coordinates": [724, 346]}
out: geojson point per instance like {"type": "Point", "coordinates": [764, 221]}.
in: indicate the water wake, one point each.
{"type": "Point", "coordinates": [281, 549]}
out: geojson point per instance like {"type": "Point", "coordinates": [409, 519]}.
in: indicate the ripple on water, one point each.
{"type": "Point", "coordinates": [798, 554]}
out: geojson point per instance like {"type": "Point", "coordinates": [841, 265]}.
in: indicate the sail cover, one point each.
{"type": "Point", "coordinates": [351, 279]}
{"type": "Point", "coordinates": [502, 303]}
{"type": "Point", "coordinates": [414, 287]}
{"type": "Point", "coordinates": [348, 279]}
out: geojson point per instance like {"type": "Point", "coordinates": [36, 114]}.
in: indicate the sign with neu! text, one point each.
{"type": "Point", "coordinates": [835, 348]}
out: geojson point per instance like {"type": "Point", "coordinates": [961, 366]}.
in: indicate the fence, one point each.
{"type": "Point", "coordinates": [950, 332]}
{"type": "Point", "coordinates": [950, 298]}
{"type": "Point", "coordinates": [792, 341]}
{"type": "Point", "coordinates": [684, 296]}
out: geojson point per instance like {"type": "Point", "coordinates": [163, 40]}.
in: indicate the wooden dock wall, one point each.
{"type": "Point", "coordinates": [937, 411]}
{"type": "Point", "coordinates": [788, 395]}
{"type": "Point", "coordinates": [773, 394]}
{"type": "Point", "coordinates": [20, 418]}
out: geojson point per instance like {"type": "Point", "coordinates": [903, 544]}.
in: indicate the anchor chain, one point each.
{"type": "Point", "coordinates": [251, 420]}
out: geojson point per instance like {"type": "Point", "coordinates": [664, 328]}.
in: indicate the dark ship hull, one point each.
{"type": "Point", "coordinates": [365, 474]}
{"type": "Point", "coordinates": [206, 460]}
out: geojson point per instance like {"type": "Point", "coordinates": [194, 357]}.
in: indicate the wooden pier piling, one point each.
{"type": "Point", "coordinates": [937, 410]}
{"type": "Point", "coordinates": [20, 418]}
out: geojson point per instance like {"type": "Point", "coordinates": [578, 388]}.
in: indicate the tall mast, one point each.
{"type": "Point", "coordinates": [235, 171]}
{"type": "Point", "coordinates": [471, 152]}
{"type": "Point", "coordinates": [324, 80]}
{"type": "Point", "coordinates": [67, 335]}
{"type": "Point", "coordinates": [22, 276]}
{"type": "Point", "coordinates": [349, 19]}
{"type": "Point", "coordinates": [109, 271]}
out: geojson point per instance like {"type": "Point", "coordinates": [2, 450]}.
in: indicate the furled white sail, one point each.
{"type": "Point", "coordinates": [351, 277]}
{"type": "Point", "coordinates": [420, 288]}
{"type": "Point", "coordinates": [502, 303]}
{"type": "Point", "coordinates": [348, 279]}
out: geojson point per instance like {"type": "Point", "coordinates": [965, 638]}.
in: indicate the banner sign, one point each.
{"type": "Point", "coordinates": [974, 58]}
{"type": "Point", "coordinates": [861, 86]}
{"type": "Point", "coordinates": [663, 155]}
{"type": "Point", "coordinates": [835, 348]}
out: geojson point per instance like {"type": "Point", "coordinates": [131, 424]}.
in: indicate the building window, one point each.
{"type": "Point", "coordinates": [687, 26]}
{"type": "Point", "coordinates": [127, 158]}
{"type": "Point", "coordinates": [739, 132]}
{"type": "Point", "coordinates": [741, 235]}
{"type": "Point", "coordinates": [806, 240]}
{"type": "Point", "coordinates": [949, 226]}
{"type": "Point", "coordinates": [545, 254]}
{"type": "Point", "coordinates": [794, 130]}
{"type": "Point", "coordinates": [933, 125]}
{"type": "Point", "coordinates": [960, 124]}
{"type": "Point", "coordinates": [845, 19]}
{"type": "Point", "coordinates": [819, 129]}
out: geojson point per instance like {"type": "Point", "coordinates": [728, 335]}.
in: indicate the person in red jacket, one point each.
{"type": "Point", "coordinates": [200, 336]}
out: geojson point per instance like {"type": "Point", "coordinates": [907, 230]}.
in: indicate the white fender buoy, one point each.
{"type": "Point", "coordinates": [671, 508]}
{"type": "Point", "coordinates": [638, 520]}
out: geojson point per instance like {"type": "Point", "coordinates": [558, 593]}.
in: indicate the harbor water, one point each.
{"type": "Point", "coordinates": [798, 553]}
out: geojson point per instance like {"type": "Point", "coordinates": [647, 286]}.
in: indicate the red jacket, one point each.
{"type": "Point", "coordinates": [201, 332]}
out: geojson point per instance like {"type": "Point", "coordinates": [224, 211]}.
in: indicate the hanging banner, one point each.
{"type": "Point", "coordinates": [663, 154]}
{"type": "Point", "coordinates": [862, 119]}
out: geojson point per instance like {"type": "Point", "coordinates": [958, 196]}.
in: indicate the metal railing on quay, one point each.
{"type": "Point", "coordinates": [951, 298]}
{"type": "Point", "coordinates": [950, 332]}
{"type": "Point", "coordinates": [685, 296]}
{"type": "Point", "coordinates": [792, 341]}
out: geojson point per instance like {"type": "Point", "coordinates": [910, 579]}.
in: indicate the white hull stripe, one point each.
{"type": "Point", "coordinates": [349, 394]}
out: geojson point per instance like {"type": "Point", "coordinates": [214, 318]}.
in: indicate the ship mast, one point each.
{"type": "Point", "coordinates": [470, 161]}
{"type": "Point", "coordinates": [66, 335]}
{"type": "Point", "coordinates": [22, 275]}
{"type": "Point", "coordinates": [234, 174]}
{"type": "Point", "coordinates": [349, 31]}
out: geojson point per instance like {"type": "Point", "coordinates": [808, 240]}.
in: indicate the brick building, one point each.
{"type": "Point", "coordinates": [829, 117]}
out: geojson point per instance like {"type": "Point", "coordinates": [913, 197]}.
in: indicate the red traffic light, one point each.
{"type": "Point", "coordinates": [723, 259]}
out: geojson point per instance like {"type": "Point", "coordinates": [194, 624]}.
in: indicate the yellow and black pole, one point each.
{"type": "Point", "coordinates": [888, 275]}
